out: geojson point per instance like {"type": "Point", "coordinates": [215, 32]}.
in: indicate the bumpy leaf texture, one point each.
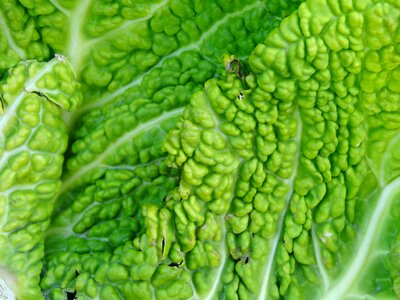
{"type": "Point", "coordinates": [33, 138]}
{"type": "Point", "coordinates": [223, 150]}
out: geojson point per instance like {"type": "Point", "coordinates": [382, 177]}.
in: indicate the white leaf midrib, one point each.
{"type": "Point", "coordinates": [5, 289]}
{"type": "Point", "coordinates": [346, 281]}
{"type": "Point", "coordinates": [75, 47]}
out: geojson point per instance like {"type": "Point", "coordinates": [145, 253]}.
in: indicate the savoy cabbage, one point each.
{"type": "Point", "coordinates": [187, 149]}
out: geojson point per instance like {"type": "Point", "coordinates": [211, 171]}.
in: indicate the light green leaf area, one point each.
{"type": "Point", "coordinates": [33, 139]}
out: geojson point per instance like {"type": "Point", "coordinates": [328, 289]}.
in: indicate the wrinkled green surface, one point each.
{"type": "Point", "coordinates": [117, 181]}
{"type": "Point", "coordinates": [33, 139]}
{"type": "Point", "coordinates": [222, 150]}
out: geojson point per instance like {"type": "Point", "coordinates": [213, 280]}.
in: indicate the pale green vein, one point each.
{"type": "Point", "coordinates": [13, 45]}
{"type": "Point", "coordinates": [275, 240]}
{"type": "Point", "coordinates": [354, 270]}
{"type": "Point", "coordinates": [112, 148]}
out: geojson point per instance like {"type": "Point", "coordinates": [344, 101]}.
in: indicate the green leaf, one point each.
{"type": "Point", "coordinates": [222, 149]}
{"type": "Point", "coordinates": [138, 62]}
{"type": "Point", "coordinates": [33, 139]}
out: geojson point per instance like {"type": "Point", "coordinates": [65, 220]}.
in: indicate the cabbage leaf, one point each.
{"type": "Point", "coordinates": [222, 150]}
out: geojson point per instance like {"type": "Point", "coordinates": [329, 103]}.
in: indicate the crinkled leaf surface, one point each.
{"type": "Point", "coordinates": [33, 138]}
{"type": "Point", "coordinates": [138, 63]}
{"type": "Point", "coordinates": [270, 174]}
{"type": "Point", "coordinates": [310, 144]}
